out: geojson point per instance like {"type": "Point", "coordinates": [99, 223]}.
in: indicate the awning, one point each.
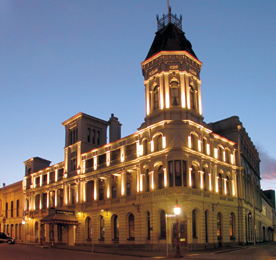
{"type": "Point", "coordinates": [60, 219]}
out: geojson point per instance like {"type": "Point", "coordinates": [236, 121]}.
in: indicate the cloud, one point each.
{"type": "Point", "coordinates": [268, 165]}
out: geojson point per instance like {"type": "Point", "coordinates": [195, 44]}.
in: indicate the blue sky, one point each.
{"type": "Point", "coordinates": [61, 57]}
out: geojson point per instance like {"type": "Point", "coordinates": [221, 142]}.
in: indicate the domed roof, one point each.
{"type": "Point", "coordinates": [170, 36]}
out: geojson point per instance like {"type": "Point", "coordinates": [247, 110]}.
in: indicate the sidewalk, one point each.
{"type": "Point", "coordinates": [140, 253]}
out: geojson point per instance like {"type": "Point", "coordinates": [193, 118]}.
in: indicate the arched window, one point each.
{"type": "Point", "coordinates": [162, 224]}
{"type": "Point", "coordinates": [227, 156]}
{"type": "Point", "coordinates": [205, 179]}
{"type": "Point", "coordinates": [232, 225]}
{"type": "Point", "coordinates": [147, 180]}
{"type": "Point", "coordinates": [206, 225]}
{"type": "Point", "coordinates": [160, 177]}
{"type": "Point", "coordinates": [115, 227]}
{"type": "Point", "coordinates": [220, 183]}
{"type": "Point", "coordinates": [194, 142]}
{"type": "Point", "coordinates": [192, 97]}
{"type": "Point", "coordinates": [148, 225]}
{"type": "Point", "coordinates": [174, 91]}
{"type": "Point", "coordinates": [158, 143]}
{"type": "Point", "coordinates": [145, 147]}
{"type": "Point", "coordinates": [156, 98]}
{"type": "Point", "coordinates": [193, 177]}
{"type": "Point", "coordinates": [102, 229]}
{"type": "Point", "coordinates": [131, 230]}
{"type": "Point", "coordinates": [228, 186]}
{"type": "Point", "coordinates": [219, 225]}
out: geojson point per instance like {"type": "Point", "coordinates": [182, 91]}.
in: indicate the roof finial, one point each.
{"type": "Point", "coordinates": [169, 10]}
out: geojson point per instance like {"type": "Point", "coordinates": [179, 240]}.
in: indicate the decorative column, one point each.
{"type": "Point", "coordinates": [138, 175]}
{"type": "Point", "coordinates": [96, 189]}
{"type": "Point", "coordinates": [167, 90]}
{"type": "Point", "coordinates": [123, 183]}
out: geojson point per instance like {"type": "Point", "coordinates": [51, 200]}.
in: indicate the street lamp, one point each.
{"type": "Point", "coordinates": [177, 211]}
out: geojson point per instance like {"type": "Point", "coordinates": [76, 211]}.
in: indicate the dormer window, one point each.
{"type": "Point", "coordinates": [174, 91]}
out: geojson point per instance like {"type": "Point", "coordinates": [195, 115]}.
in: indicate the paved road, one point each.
{"type": "Point", "coordinates": [24, 252]}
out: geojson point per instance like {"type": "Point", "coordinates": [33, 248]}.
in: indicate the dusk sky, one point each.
{"type": "Point", "coordinates": [61, 57]}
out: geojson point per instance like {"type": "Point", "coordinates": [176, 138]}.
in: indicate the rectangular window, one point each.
{"type": "Point", "coordinates": [44, 200]}
{"type": "Point", "coordinates": [44, 178]}
{"type": "Point", "coordinates": [60, 174]}
{"type": "Point", "coordinates": [89, 163]}
{"type": "Point", "coordinates": [73, 164]}
{"type": "Point", "coordinates": [52, 176]}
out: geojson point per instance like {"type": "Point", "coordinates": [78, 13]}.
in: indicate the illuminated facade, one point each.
{"type": "Point", "coordinates": [125, 191]}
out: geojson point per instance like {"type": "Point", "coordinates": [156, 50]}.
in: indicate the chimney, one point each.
{"type": "Point", "coordinates": [114, 129]}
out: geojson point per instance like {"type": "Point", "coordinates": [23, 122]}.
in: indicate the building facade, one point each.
{"type": "Point", "coordinates": [124, 192]}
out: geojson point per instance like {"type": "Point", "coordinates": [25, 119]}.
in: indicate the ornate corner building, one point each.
{"type": "Point", "coordinates": [124, 191]}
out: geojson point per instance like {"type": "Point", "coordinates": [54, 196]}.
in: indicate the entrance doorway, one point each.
{"type": "Point", "coordinates": [182, 231]}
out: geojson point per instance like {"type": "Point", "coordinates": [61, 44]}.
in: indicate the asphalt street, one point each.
{"type": "Point", "coordinates": [265, 251]}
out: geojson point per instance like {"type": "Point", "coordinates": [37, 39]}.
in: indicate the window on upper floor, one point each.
{"type": "Point", "coordinates": [73, 164]}
{"type": "Point", "coordinates": [128, 189]}
{"type": "Point", "coordinates": [157, 143]}
{"type": "Point", "coordinates": [44, 200]}
{"type": "Point", "coordinates": [220, 183]}
{"type": "Point", "coordinates": [88, 135]}
{"type": "Point", "coordinates": [155, 98]}
{"type": "Point", "coordinates": [60, 174]}
{"type": "Point", "coordinates": [73, 135]}
{"type": "Point", "coordinates": [98, 137]}
{"type": "Point", "coordinates": [145, 147]}
{"type": "Point", "coordinates": [12, 209]}
{"type": "Point", "coordinates": [93, 136]}
{"type": "Point", "coordinates": [147, 177]}
{"type": "Point", "coordinates": [52, 176]}
{"type": "Point", "coordinates": [17, 208]}
{"type": "Point", "coordinates": [192, 97]}
{"type": "Point", "coordinates": [177, 173]}
{"type": "Point", "coordinates": [174, 92]}
{"type": "Point", "coordinates": [114, 191]}
{"type": "Point", "coordinates": [160, 177]}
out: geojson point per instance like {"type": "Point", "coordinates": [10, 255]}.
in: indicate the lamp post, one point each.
{"type": "Point", "coordinates": [177, 211]}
